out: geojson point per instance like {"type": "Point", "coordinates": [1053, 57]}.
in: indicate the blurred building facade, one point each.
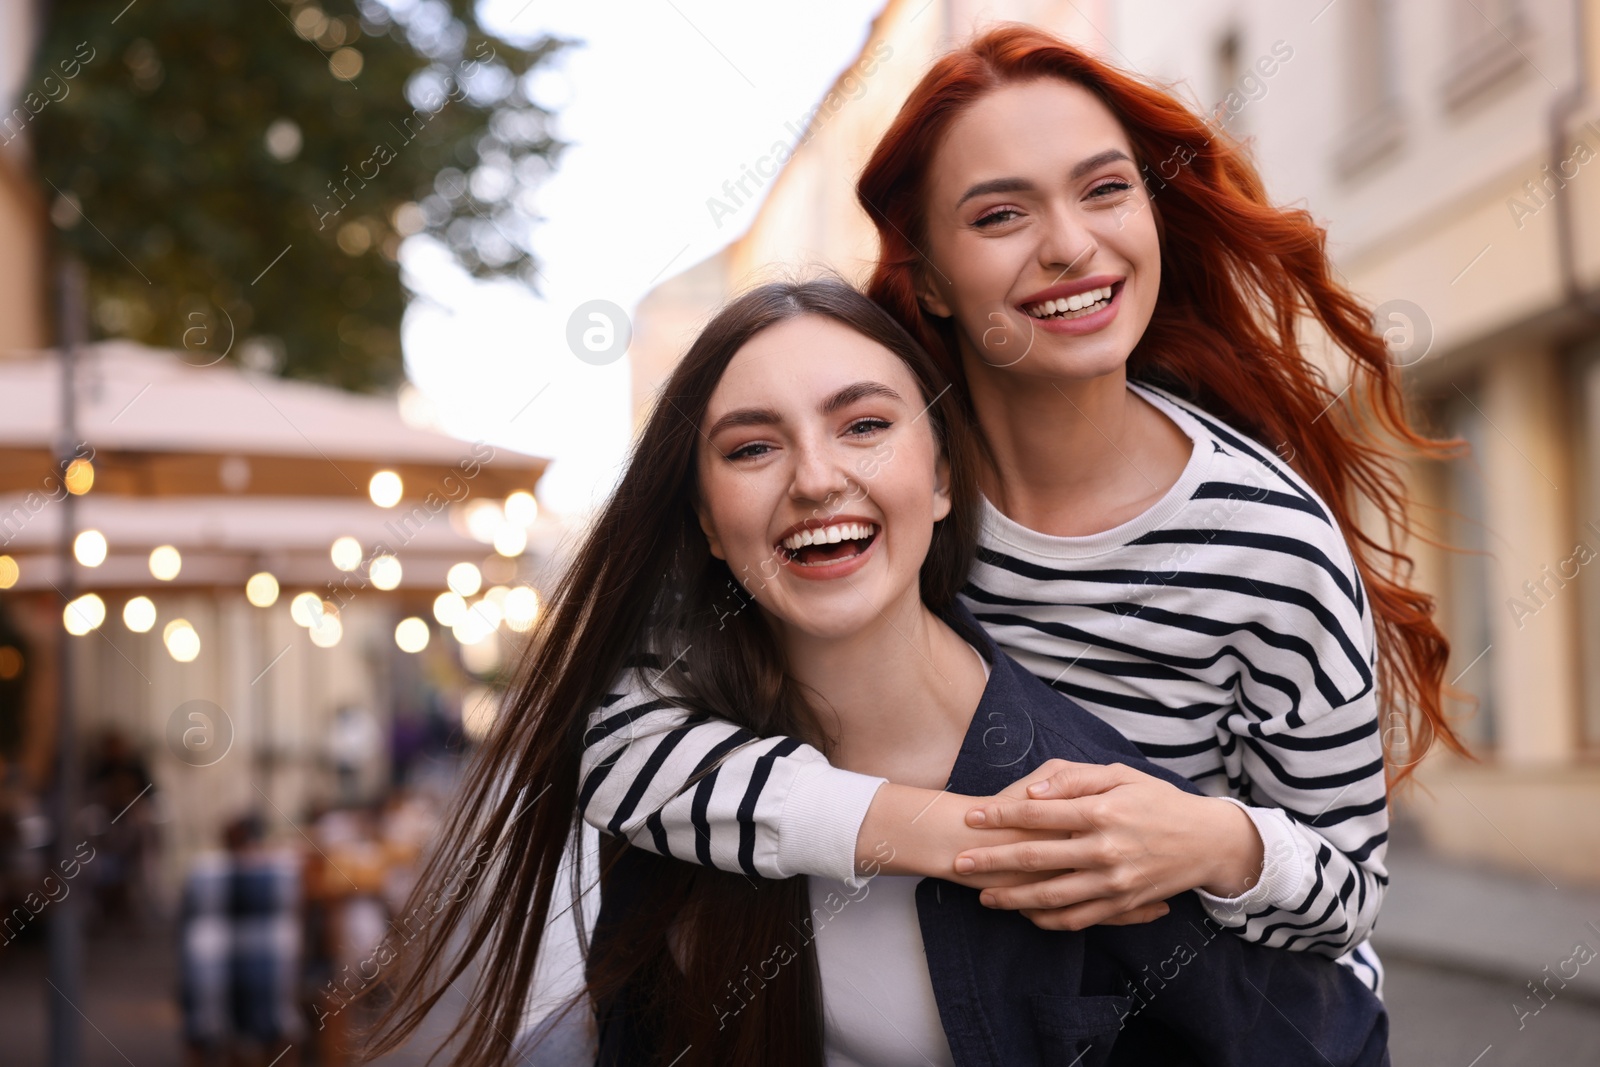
{"type": "Point", "coordinates": [1446, 146]}
{"type": "Point", "coordinates": [239, 621]}
{"type": "Point", "coordinates": [236, 473]}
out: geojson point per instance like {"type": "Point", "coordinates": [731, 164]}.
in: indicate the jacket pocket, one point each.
{"type": "Point", "coordinates": [1077, 1031]}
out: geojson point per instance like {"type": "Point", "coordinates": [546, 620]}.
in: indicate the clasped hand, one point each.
{"type": "Point", "coordinates": [1092, 843]}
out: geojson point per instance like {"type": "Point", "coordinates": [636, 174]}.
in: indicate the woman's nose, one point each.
{"type": "Point", "coordinates": [819, 475]}
{"type": "Point", "coordinates": [1065, 244]}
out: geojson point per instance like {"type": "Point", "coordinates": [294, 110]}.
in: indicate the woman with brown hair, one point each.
{"type": "Point", "coordinates": [793, 395]}
{"type": "Point", "coordinates": [1170, 493]}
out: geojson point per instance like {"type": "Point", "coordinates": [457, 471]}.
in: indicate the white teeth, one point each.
{"type": "Point", "coordinates": [829, 535]}
{"type": "Point", "coordinates": [1070, 305]}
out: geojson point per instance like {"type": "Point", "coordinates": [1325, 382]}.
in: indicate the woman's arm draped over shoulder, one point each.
{"type": "Point", "coordinates": [1304, 738]}
{"type": "Point", "coordinates": [704, 790]}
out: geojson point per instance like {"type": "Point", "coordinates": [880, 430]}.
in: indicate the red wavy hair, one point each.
{"type": "Point", "coordinates": [1237, 276]}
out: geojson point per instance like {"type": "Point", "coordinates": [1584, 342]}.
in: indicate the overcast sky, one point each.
{"type": "Point", "coordinates": [662, 102]}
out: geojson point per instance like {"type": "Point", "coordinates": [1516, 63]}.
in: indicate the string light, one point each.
{"type": "Point", "coordinates": [305, 609]}
{"type": "Point", "coordinates": [448, 608]}
{"type": "Point", "coordinates": [346, 553]}
{"type": "Point", "coordinates": [261, 590]}
{"type": "Point", "coordinates": [183, 643]}
{"type": "Point", "coordinates": [79, 478]}
{"type": "Point", "coordinates": [139, 614]}
{"type": "Point", "coordinates": [165, 563]}
{"type": "Point", "coordinates": [386, 489]}
{"type": "Point", "coordinates": [510, 540]}
{"type": "Point", "coordinates": [522, 508]}
{"type": "Point", "coordinates": [411, 635]}
{"type": "Point", "coordinates": [89, 547]}
{"type": "Point", "coordinates": [384, 572]}
{"type": "Point", "coordinates": [464, 578]}
{"type": "Point", "coordinates": [522, 609]}
{"type": "Point", "coordinates": [84, 614]}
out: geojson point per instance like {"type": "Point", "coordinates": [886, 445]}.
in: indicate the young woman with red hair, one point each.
{"type": "Point", "coordinates": [1171, 492]}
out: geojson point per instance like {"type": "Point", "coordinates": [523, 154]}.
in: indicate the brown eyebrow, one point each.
{"type": "Point", "coordinates": [840, 399]}
{"type": "Point", "coordinates": [857, 391]}
{"type": "Point", "coordinates": [743, 417]}
{"type": "Point", "coordinates": [1023, 185]}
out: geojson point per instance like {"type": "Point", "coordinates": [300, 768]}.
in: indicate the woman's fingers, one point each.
{"type": "Point", "coordinates": [1143, 914]}
{"type": "Point", "coordinates": [1057, 779]}
{"type": "Point", "coordinates": [1061, 892]}
{"type": "Point", "coordinates": [1067, 779]}
{"type": "Point", "coordinates": [1076, 816]}
{"type": "Point", "coordinates": [1093, 913]}
{"type": "Point", "coordinates": [1055, 854]}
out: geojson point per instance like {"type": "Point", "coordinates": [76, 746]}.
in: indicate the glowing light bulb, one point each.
{"type": "Point", "coordinates": [522, 508]}
{"type": "Point", "coordinates": [327, 630]}
{"type": "Point", "coordinates": [411, 635]}
{"type": "Point", "coordinates": [464, 578]}
{"type": "Point", "coordinates": [346, 553]}
{"type": "Point", "coordinates": [165, 563]}
{"type": "Point", "coordinates": [448, 608]}
{"type": "Point", "coordinates": [261, 590]}
{"type": "Point", "coordinates": [510, 540]}
{"type": "Point", "coordinates": [522, 609]}
{"type": "Point", "coordinates": [483, 519]}
{"type": "Point", "coordinates": [384, 572]}
{"type": "Point", "coordinates": [90, 548]}
{"type": "Point", "coordinates": [139, 614]}
{"type": "Point", "coordinates": [84, 614]}
{"type": "Point", "coordinates": [183, 643]}
{"type": "Point", "coordinates": [385, 489]}
{"type": "Point", "coordinates": [79, 477]}
{"type": "Point", "coordinates": [306, 609]}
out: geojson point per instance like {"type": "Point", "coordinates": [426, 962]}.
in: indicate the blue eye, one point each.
{"type": "Point", "coordinates": [749, 451]}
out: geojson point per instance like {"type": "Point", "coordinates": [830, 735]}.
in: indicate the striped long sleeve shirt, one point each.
{"type": "Point", "coordinates": [1225, 632]}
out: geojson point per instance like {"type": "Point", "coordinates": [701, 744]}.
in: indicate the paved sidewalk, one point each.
{"type": "Point", "coordinates": [1495, 925]}
{"type": "Point", "coordinates": [1462, 944]}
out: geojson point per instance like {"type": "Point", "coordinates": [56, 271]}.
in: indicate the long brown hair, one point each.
{"type": "Point", "coordinates": [645, 578]}
{"type": "Point", "coordinates": [1237, 276]}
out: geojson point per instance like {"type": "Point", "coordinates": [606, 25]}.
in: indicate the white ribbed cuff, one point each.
{"type": "Point", "coordinates": [823, 810]}
{"type": "Point", "coordinates": [1282, 868]}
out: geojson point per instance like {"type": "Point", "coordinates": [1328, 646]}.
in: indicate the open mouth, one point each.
{"type": "Point", "coordinates": [827, 544]}
{"type": "Point", "coordinates": [1075, 306]}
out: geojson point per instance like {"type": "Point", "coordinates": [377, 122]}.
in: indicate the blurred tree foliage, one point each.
{"type": "Point", "coordinates": [187, 144]}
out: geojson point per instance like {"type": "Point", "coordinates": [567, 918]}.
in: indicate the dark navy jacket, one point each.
{"type": "Point", "coordinates": [1179, 990]}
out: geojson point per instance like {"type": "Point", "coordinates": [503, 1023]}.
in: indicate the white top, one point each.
{"type": "Point", "coordinates": [877, 997]}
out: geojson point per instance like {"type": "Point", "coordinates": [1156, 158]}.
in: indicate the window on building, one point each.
{"type": "Point", "coordinates": [1489, 42]}
{"type": "Point", "coordinates": [1372, 123]}
{"type": "Point", "coordinates": [1471, 593]}
{"type": "Point", "coordinates": [1226, 71]}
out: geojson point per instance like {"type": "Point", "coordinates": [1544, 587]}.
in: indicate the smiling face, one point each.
{"type": "Point", "coordinates": [819, 477]}
{"type": "Point", "coordinates": [1041, 234]}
